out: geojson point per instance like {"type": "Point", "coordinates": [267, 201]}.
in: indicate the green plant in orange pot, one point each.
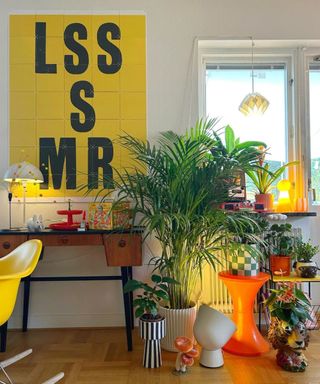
{"type": "Point", "coordinates": [264, 179]}
{"type": "Point", "coordinates": [280, 243]}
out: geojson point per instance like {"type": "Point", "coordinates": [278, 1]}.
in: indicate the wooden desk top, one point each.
{"type": "Point", "coordinates": [47, 231]}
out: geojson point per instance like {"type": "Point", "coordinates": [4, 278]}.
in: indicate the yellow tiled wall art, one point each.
{"type": "Point", "coordinates": [77, 83]}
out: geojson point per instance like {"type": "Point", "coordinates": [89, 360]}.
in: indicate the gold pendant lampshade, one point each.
{"type": "Point", "coordinates": [253, 102]}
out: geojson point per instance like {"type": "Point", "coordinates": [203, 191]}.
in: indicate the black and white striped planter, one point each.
{"type": "Point", "coordinates": [152, 332]}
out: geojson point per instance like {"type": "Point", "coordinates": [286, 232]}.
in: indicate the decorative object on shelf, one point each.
{"type": "Point", "coordinates": [244, 251]}
{"type": "Point", "coordinates": [284, 200]}
{"type": "Point", "coordinates": [35, 223]}
{"type": "Point", "coordinates": [186, 355]}
{"type": "Point", "coordinates": [263, 179]}
{"type": "Point", "coordinates": [303, 253]}
{"type": "Point", "coordinates": [212, 329]}
{"type": "Point", "coordinates": [238, 193]}
{"type": "Point", "coordinates": [277, 217]}
{"type": "Point", "coordinates": [253, 102]}
{"type": "Point", "coordinates": [70, 225]}
{"type": "Point", "coordinates": [175, 193]}
{"type": "Point", "coordinates": [121, 215]}
{"type": "Point", "coordinates": [289, 309]}
{"type": "Point", "coordinates": [151, 323]}
{"type": "Point", "coordinates": [280, 242]}
{"type": "Point", "coordinates": [23, 173]}
{"type": "Point", "coordinates": [301, 204]}
{"type": "Point", "coordinates": [100, 215]}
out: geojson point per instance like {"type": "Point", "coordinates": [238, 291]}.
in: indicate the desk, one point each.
{"type": "Point", "coordinates": [122, 249]}
{"type": "Point", "coordinates": [247, 340]}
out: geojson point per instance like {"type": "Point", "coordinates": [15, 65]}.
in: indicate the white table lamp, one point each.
{"type": "Point", "coordinates": [23, 173]}
{"type": "Point", "coordinates": [212, 329]}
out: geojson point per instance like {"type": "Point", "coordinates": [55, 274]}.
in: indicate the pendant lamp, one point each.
{"type": "Point", "coordinates": [253, 102]}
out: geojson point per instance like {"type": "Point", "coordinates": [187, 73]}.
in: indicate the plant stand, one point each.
{"type": "Point", "coordinates": [247, 340]}
{"type": "Point", "coordinates": [152, 332]}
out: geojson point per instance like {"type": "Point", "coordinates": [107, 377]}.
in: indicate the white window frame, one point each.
{"type": "Point", "coordinates": [306, 60]}
{"type": "Point", "coordinates": [296, 56]}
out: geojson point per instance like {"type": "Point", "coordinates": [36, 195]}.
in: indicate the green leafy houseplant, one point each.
{"type": "Point", "coordinates": [288, 303]}
{"type": "Point", "coordinates": [262, 176]}
{"type": "Point", "coordinates": [305, 251]}
{"type": "Point", "coordinates": [175, 191]}
{"type": "Point", "coordinates": [146, 303]}
{"type": "Point", "coordinates": [280, 240]}
{"type": "Point", "coordinates": [289, 309]}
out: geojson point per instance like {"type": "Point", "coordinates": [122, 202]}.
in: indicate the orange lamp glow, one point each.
{"type": "Point", "coordinates": [284, 201]}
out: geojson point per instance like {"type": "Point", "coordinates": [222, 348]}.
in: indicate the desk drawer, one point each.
{"type": "Point", "coordinates": [123, 249]}
{"type": "Point", "coordinates": [9, 242]}
{"type": "Point", "coordinates": [65, 240]}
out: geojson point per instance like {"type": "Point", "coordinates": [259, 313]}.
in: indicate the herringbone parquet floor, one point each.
{"type": "Point", "coordinates": [94, 356]}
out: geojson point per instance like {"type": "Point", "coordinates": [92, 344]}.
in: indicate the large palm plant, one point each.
{"type": "Point", "coordinates": [176, 188]}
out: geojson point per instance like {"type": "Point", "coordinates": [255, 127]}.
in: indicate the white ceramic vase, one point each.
{"type": "Point", "coordinates": [179, 322]}
{"type": "Point", "coordinates": [212, 329]}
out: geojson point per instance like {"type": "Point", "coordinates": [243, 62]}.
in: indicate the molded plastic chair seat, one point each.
{"type": "Point", "coordinates": [18, 264]}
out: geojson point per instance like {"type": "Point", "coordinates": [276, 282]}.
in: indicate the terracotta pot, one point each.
{"type": "Point", "coordinates": [280, 265]}
{"type": "Point", "coordinates": [266, 199]}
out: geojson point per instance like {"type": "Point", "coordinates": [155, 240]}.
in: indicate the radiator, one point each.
{"type": "Point", "coordinates": [214, 292]}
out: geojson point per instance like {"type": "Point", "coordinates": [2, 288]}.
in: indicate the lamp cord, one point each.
{"type": "Point", "coordinates": [252, 80]}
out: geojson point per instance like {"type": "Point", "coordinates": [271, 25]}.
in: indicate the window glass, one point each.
{"type": "Point", "coordinates": [228, 84]}
{"type": "Point", "coordinates": [314, 90]}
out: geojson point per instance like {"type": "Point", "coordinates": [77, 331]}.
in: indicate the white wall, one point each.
{"type": "Point", "coordinates": [172, 26]}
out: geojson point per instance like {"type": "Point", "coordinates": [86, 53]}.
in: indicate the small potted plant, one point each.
{"type": "Point", "coordinates": [304, 252]}
{"type": "Point", "coordinates": [280, 242]}
{"type": "Point", "coordinates": [289, 309]}
{"type": "Point", "coordinates": [151, 324]}
{"type": "Point", "coordinates": [263, 179]}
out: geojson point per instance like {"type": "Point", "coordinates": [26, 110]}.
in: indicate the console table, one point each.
{"type": "Point", "coordinates": [122, 249]}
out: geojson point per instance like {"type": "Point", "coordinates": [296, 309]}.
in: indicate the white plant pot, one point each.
{"type": "Point", "coordinates": [179, 322]}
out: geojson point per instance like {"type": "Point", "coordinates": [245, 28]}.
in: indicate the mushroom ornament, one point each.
{"type": "Point", "coordinates": [186, 355]}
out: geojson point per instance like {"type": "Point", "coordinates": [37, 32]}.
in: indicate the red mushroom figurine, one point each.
{"type": "Point", "coordinates": [187, 353]}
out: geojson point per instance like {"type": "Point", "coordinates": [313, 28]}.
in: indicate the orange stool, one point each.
{"type": "Point", "coordinates": [247, 340]}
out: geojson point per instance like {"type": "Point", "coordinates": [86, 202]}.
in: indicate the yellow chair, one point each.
{"type": "Point", "coordinates": [18, 264]}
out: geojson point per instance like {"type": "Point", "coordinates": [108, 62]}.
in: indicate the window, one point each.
{"type": "Point", "coordinates": [280, 69]}
{"type": "Point", "coordinates": [314, 97]}
{"type": "Point", "coordinates": [227, 85]}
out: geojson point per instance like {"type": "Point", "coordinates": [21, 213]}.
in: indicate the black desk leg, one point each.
{"type": "Point", "coordinates": [3, 332]}
{"type": "Point", "coordinates": [127, 309]}
{"type": "Point", "coordinates": [131, 300]}
{"type": "Point", "coordinates": [26, 299]}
